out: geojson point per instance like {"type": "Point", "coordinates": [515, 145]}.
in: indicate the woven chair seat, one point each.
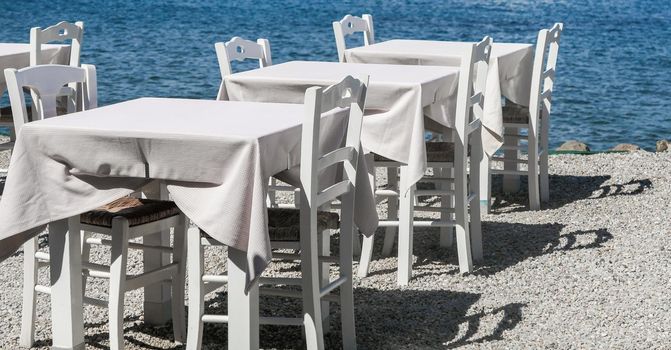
{"type": "Point", "coordinates": [515, 114]}
{"type": "Point", "coordinates": [379, 158]}
{"type": "Point", "coordinates": [285, 224]}
{"type": "Point", "coordinates": [137, 211]}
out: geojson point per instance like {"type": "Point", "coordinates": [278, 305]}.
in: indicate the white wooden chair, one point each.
{"type": "Point", "coordinates": [536, 120]}
{"type": "Point", "coordinates": [61, 32]}
{"type": "Point", "coordinates": [350, 25]}
{"type": "Point", "coordinates": [123, 220]}
{"type": "Point", "coordinates": [299, 228]}
{"type": "Point", "coordinates": [456, 189]}
{"type": "Point", "coordinates": [238, 49]}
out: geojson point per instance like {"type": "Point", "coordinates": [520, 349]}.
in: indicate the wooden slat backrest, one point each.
{"type": "Point", "coordinates": [349, 93]}
{"type": "Point", "coordinates": [238, 49]}
{"type": "Point", "coordinates": [544, 70]}
{"type": "Point", "coordinates": [350, 25]}
{"type": "Point", "coordinates": [45, 83]}
{"type": "Point", "coordinates": [60, 32]}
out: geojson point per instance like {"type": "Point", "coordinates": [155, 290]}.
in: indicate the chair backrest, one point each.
{"type": "Point", "coordinates": [543, 76]}
{"type": "Point", "coordinates": [349, 93]}
{"type": "Point", "coordinates": [240, 49]}
{"type": "Point", "coordinates": [45, 83]}
{"type": "Point", "coordinates": [60, 32]}
{"type": "Point", "coordinates": [350, 25]}
{"type": "Point", "coordinates": [470, 96]}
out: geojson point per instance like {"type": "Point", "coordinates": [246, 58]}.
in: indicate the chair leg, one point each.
{"type": "Point", "coordinates": [86, 257]}
{"type": "Point", "coordinates": [324, 273]}
{"type": "Point", "coordinates": [532, 171]}
{"type": "Point", "coordinates": [392, 212]}
{"type": "Point", "coordinates": [194, 251]}
{"type": "Point", "coordinates": [346, 289]}
{"type": "Point", "coordinates": [117, 289]}
{"type": "Point", "coordinates": [29, 298]}
{"type": "Point", "coordinates": [446, 233]}
{"type": "Point", "coordinates": [179, 257]}
{"type": "Point", "coordinates": [312, 320]}
{"type": "Point", "coordinates": [544, 178]}
{"type": "Point", "coordinates": [460, 209]}
{"type": "Point", "coordinates": [477, 157]}
{"type": "Point", "coordinates": [405, 231]}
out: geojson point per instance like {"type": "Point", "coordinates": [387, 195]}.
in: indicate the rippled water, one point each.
{"type": "Point", "coordinates": [614, 65]}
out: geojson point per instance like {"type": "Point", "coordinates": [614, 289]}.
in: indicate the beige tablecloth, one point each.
{"type": "Point", "coordinates": [398, 96]}
{"type": "Point", "coordinates": [215, 156]}
{"type": "Point", "coordinates": [16, 55]}
{"type": "Point", "coordinates": [509, 73]}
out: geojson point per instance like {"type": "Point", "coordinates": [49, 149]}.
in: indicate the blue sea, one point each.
{"type": "Point", "coordinates": [614, 71]}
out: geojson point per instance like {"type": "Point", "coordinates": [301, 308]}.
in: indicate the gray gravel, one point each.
{"type": "Point", "coordinates": [591, 270]}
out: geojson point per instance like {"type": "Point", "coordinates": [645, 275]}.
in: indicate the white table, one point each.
{"type": "Point", "coordinates": [17, 55]}
{"type": "Point", "coordinates": [215, 157]}
{"type": "Point", "coordinates": [398, 97]}
{"type": "Point", "coordinates": [509, 76]}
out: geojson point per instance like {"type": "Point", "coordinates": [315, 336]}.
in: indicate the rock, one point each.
{"type": "Point", "coordinates": [663, 145]}
{"type": "Point", "coordinates": [573, 145]}
{"type": "Point", "coordinates": [628, 147]}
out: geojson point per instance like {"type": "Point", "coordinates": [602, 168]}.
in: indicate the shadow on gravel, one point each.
{"type": "Point", "coordinates": [564, 189]}
{"type": "Point", "coordinates": [393, 319]}
{"type": "Point", "coordinates": [507, 244]}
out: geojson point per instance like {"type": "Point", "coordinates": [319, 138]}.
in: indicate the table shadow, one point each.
{"type": "Point", "coordinates": [385, 319]}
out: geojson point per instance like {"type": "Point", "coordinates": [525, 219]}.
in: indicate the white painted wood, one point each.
{"type": "Point", "coordinates": [179, 279]}
{"type": "Point", "coordinates": [350, 25]}
{"type": "Point", "coordinates": [117, 289]}
{"type": "Point", "coordinates": [59, 32]}
{"type": "Point", "coordinates": [67, 314]}
{"type": "Point", "coordinates": [238, 49]}
{"type": "Point", "coordinates": [243, 306]}
{"type": "Point", "coordinates": [542, 83]}
{"type": "Point", "coordinates": [455, 187]}
{"type": "Point", "coordinates": [29, 296]}
{"type": "Point", "coordinates": [405, 233]}
{"type": "Point", "coordinates": [392, 211]}
{"type": "Point", "coordinates": [196, 290]}
{"type": "Point", "coordinates": [243, 318]}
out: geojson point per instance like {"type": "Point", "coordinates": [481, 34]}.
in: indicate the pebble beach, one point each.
{"type": "Point", "coordinates": [590, 270]}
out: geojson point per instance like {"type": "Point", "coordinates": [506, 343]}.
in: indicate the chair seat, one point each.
{"type": "Point", "coordinates": [515, 114]}
{"type": "Point", "coordinates": [137, 211]}
{"type": "Point", "coordinates": [285, 224]}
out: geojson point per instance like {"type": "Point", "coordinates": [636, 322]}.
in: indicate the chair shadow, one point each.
{"type": "Point", "coordinates": [564, 189]}
{"type": "Point", "coordinates": [504, 245]}
{"type": "Point", "coordinates": [384, 320]}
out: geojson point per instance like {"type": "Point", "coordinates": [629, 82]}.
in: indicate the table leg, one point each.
{"type": "Point", "coordinates": [67, 313]}
{"type": "Point", "coordinates": [243, 307]}
{"type": "Point", "coordinates": [157, 297]}
{"type": "Point", "coordinates": [405, 230]}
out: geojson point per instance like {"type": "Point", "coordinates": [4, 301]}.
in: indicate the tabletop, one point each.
{"type": "Point", "coordinates": [17, 55]}
{"type": "Point", "coordinates": [509, 74]}
{"type": "Point", "coordinates": [397, 98]}
{"type": "Point", "coordinates": [215, 157]}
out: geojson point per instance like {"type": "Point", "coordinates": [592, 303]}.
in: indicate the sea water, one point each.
{"type": "Point", "coordinates": [613, 77]}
